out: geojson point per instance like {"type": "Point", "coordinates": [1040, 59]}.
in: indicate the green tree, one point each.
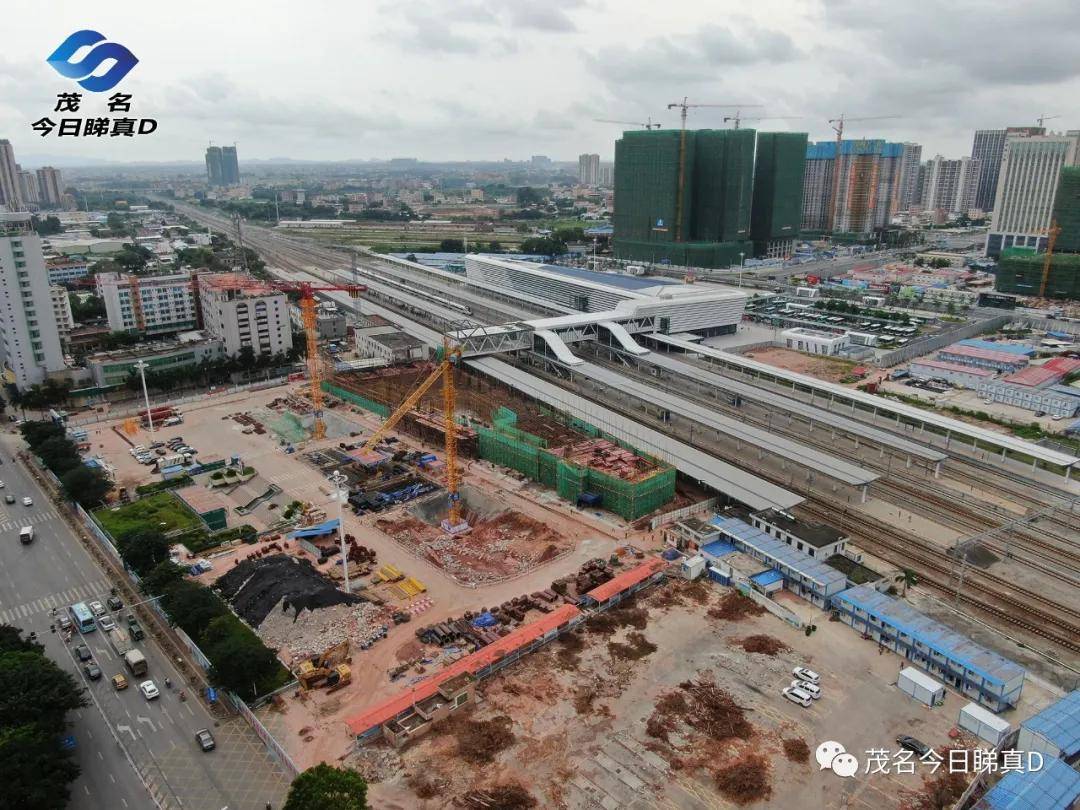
{"type": "Point", "coordinates": [133, 258]}
{"type": "Point", "coordinates": [193, 607]}
{"type": "Point", "coordinates": [34, 690]}
{"type": "Point", "coordinates": [86, 309]}
{"type": "Point", "coordinates": [495, 246]}
{"type": "Point", "coordinates": [908, 577]}
{"type": "Point", "coordinates": [241, 662]}
{"type": "Point", "coordinates": [35, 770]}
{"type": "Point", "coordinates": [452, 245]}
{"type": "Point", "coordinates": [59, 454]}
{"type": "Point", "coordinates": [161, 578]}
{"type": "Point", "coordinates": [46, 227]}
{"type": "Point", "coordinates": [35, 433]}
{"type": "Point", "coordinates": [526, 195]}
{"type": "Point", "coordinates": [87, 485]}
{"type": "Point", "coordinates": [141, 551]}
{"type": "Point", "coordinates": [324, 787]}
{"type": "Point", "coordinates": [11, 640]}
{"type": "Point", "coordinates": [543, 246]}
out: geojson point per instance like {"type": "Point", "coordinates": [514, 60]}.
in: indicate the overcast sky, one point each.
{"type": "Point", "coordinates": [491, 79]}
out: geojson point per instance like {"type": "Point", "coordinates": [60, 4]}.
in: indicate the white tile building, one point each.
{"type": "Point", "coordinates": [814, 341]}
{"type": "Point", "coordinates": [61, 307]}
{"type": "Point", "coordinates": [243, 311]}
{"type": "Point", "coordinates": [151, 305]}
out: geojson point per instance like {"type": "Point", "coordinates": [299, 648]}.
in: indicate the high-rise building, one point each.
{"type": "Point", "coordinates": [908, 193]}
{"type": "Point", "coordinates": [61, 308]}
{"type": "Point", "coordinates": [589, 170]}
{"type": "Point", "coordinates": [861, 199]}
{"type": "Point", "coordinates": [1066, 212]}
{"type": "Point", "coordinates": [10, 197]}
{"type": "Point", "coordinates": [213, 166]}
{"type": "Point", "coordinates": [696, 213]}
{"type": "Point", "coordinates": [29, 339]}
{"type": "Point", "coordinates": [149, 305]}
{"type": "Point", "coordinates": [51, 183]}
{"type": "Point", "coordinates": [230, 167]}
{"type": "Point", "coordinates": [607, 175]}
{"type": "Point", "coordinates": [988, 147]}
{"type": "Point", "coordinates": [776, 213]}
{"type": "Point", "coordinates": [28, 186]}
{"type": "Point", "coordinates": [243, 311]}
{"type": "Point", "coordinates": [951, 185]}
{"type": "Point", "coordinates": [1027, 183]}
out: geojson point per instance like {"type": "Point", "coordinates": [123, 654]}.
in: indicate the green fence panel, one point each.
{"type": "Point", "coordinates": [356, 399]}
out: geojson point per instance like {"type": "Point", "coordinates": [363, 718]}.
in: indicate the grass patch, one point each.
{"type": "Point", "coordinates": [159, 512]}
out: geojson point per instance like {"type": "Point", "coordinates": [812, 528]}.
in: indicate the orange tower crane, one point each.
{"type": "Point", "coordinates": [311, 331]}
{"type": "Point", "coordinates": [1051, 240]}
{"type": "Point", "coordinates": [445, 372]}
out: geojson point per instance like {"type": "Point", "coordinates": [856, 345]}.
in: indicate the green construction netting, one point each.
{"type": "Point", "coordinates": [647, 185]}
{"type": "Point", "coordinates": [356, 399]}
{"type": "Point", "coordinates": [779, 172]}
{"type": "Point", "coordinates": [630, 499]}
{"type": "Point", "coordinates": [1021, 273]}
{"type": "Point", "coordinates": [1067, 210]}
{"type": "Point", "coordinates": [723, 185]}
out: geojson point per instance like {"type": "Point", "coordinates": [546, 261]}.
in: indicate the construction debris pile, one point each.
{"type": "Point", "coordinates": [480, 628]}
{"type": "Point", "coordinates": [606, 457]}
{"type": "Point", "coordinates": [255, 587]}
{"type": "Point", "coordinates": [312, 632]}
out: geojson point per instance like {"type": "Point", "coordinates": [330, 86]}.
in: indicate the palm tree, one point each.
{"type": "Point", "coordinates": [907, 576]}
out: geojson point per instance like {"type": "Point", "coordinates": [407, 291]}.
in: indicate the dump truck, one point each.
{"type": "Point", "coordinates": [136, 662]}
{"type": "Point", "coordinates": [120, 641]}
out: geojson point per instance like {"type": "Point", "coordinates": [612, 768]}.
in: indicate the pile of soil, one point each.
{"type": "Point", "coordinates": [766, 645]}
{"type": "Point", "coordinates": [735, 607]}
{"type": "Point", "coordinates": [797, 750]}
{"type": "Point", "coordinates": [744, 781]}
{"type": "Point", "coordinates": [255, 587]}
{"type": "Point", "coordinates": [479, 741]}
{"type": "Point", "coordinates": [636, 648]}
{"type": "Point", "coordinates": [704, 707]}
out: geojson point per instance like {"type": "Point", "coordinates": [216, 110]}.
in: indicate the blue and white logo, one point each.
{"type": "Point", "coordinates": [123, 61]}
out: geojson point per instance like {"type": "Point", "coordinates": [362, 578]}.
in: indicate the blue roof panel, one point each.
{"type": "Point", "coordinates": [619, 280]}
{"type": "Point", "coordinates": [718, 548]}
{"type": "Point", "coordinates": [1059, 723]}
{"type": "Point", "coordinates": [766, 578]}
{"type": "Point", "coordinates": [1055, 787]}
{"type": "Point", "coordinates": [316, 531]}
{"type": "Point", "coordinates": [934, 635]}
{"type": "Point", "coordinates": [784, 555]}
{"type": "Point", "coordinates": [993, 346]}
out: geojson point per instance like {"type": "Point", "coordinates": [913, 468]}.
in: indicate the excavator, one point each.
{"type": "Point", "coordinates": [330, 669]}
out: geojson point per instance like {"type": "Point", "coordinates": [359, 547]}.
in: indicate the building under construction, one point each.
{"type": "Point", "coordinates": [684, 203]}
{"type": "Point", "coordinates": [861, 199]}
{"type": "Point", "coordinates": [572, 457]}
{"type": "Point", "coordinates": [778, 184]}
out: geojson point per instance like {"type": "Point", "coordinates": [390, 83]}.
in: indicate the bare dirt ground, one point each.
{"type": "Point", "coordinates": [658, 704]}
{"type": "Point", "coordinates": [830, 369]}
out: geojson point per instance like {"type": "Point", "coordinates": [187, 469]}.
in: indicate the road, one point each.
{"type": "Point", "coordinates": [120, 735]}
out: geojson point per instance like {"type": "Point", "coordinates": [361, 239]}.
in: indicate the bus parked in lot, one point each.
{"type": "Point", "coordinates": [83, 618]}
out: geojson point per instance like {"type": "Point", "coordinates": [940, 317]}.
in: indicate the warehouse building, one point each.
{"type": "Point", "coordinates": [995, 359]}
{"type": "Point", "coordinates": [1055, 731]}
{"type": "Point", "coordinates": [701, 308]}
{"type": "Point", "coordinates": [952, 373]}
{"type": "Point", "coordinates": [804, 574]}
{"type": "Point", "coordinates": [974, 671]}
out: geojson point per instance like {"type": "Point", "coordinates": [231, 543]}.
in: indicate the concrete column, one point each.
{"type": "Point", "coordinates": [863, 488]}
{"type": "Point", "coordinates": [948, 438]}
{"type": "Point", "coordinates": [908, 464]}
{"type": "Point", "coordinates": [1034, 464]}
{"type": "Point", "coordinates": [1068, 472]}
{"type": "Point", "coordinates": [937, 470]}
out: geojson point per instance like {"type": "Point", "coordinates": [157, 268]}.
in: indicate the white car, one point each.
{"type": "Point", "coordinates": [1, 484]}
{"type": "Point", "coordinates": [106, 623]}
{"type": "Point", "coordinates": [804, 674]}
{"type": "Point", "coordinates": [97, 608]}
{"type": "Point", "coordinates": [798, 696]}
{"type": "Point", "coordinates": [149, 690]}
{"type": "Point", "coordinates": [27, 501]}
{"type": "Point", "coordinates": [812, 689]}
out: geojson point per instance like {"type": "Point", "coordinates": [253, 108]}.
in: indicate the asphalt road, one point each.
{"type": "Point", "coordinates": [126, 745]}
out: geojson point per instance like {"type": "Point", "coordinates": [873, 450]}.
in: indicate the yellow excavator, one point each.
{"type": "Point", "coordinates": [330, 669]}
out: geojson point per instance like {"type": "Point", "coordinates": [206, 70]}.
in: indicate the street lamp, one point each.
{"type": "Point", "coordinates": [740, 267]}
{"type": "Point", "coordinates": [339, 479]}
{"type": "Point", "coordinates": [142, 366]}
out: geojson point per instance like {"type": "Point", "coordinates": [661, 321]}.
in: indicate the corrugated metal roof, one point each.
{"type": "Point", "coordinates": [718, 548]}
{"type": "Point", "coordinates": [1055, 787]}
{"type": "Point", "coordinates": [626, 579]}
{"type": "Point", "coordinates": [957, 367]}
{"type": "Point", "coordinates": [766, 578]}
{"type": "Point", "coordinates": [1050, 371]}
{"type": "Point", "coordinates": [619, 280]}
{"type": "Point", "coordinates": [1013, 348]}
{"type": "Point", "coordinates": [922, 679]}
{"type": "Point", "coordinates": [798, 561]}
{"type": "Point", "coordinates": [956, 350]}
{"type": "Point", "coordinates": [933, 634]}
{"type": "Point", "coordinates": [1059, 723]}
{"type": "Point", "coordinates": [317, 530]}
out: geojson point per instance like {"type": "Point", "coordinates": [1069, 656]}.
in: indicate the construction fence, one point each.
{"type": "Point", "coordinates": [356, 399]}
{"type": "Point", "coordinates": [511, 447]}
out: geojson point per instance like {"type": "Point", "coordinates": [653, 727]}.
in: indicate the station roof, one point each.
{"type": "Point", "coordinates": [1055, 787]}
{"type": "Point", "coordinates": [798, 561]}
{"type": "Point", "coordinates": [933, 634]}
{"type": "Point", "coordinates": [917, 415]}
{"type": "Point", "coordinates": [619, 280]}
{"type": "Point", "coordinates": [1059, 723]}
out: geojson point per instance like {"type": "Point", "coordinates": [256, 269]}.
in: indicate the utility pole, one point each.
{"type": "Point", "coordinates": [142, 365]}
{"type": "Point", "coordinates": [339, 479]}
{"type": "Point", "coordinates": [240, 242]}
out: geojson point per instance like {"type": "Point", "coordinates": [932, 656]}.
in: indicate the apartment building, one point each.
{"type": "Point", "coordinates": [243, 311]}
{"type": "Point", "coordinates": [29, 339]}
{"type": "Point", "coordinates": [951, 185]}
{"type": "Point", "coordinates": [61, 309]}
{"type": "Point", "coordinates": [151, 305]}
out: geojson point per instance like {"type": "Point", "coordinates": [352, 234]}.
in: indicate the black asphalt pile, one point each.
{"type": "Point", "coordinates": [255, 587]}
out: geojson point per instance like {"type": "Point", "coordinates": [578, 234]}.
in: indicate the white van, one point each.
{"type": "Point", "coordinates": [26, 535]}
{"type": "Point", "coordinates": [812, 689]}
{"type": "Point", "coordinates": [798, 696]}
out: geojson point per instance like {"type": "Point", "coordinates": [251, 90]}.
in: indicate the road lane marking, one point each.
{"type": "Point", "coordinates": [146, 720]}
{"type": "Point", "coordinates": [99, 756]}
{"type": "Point", "coordinates": [121, 727]}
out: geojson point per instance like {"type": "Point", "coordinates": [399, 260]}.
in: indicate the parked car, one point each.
{"type": "Point", "coordinates": [804, 674]}
{"type": "Point", "coordinates": [97, 608]}
{"type": "Point", "coordinates": [1, 484]}
{"type": "Point", "coordinates": [27, 501]}
{"type": "Point", "coordinates": [812, 689]}
{"type": "Point", "coordinates": [798, 696]}
{"type": "Point", "coordinates": [149, 690]}
{"type": "Point", "coordinates": [912, 744]}
{"type": "Point", "coordinates": [93, 671]}
{"type": "Point", "coordinates": [9, 498]}
{"type": "Point", "coordinates": [82, 652]}
{"type": "Point", "coordinates": [106, 623]}
{"type": "Point", "coordinates": [205, 739]}
{"type": "Point", "coordinates": [114, 603]}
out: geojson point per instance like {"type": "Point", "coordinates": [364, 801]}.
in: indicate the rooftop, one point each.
{"type": "Point", "coordinates": [984, 354]}
{"type": "Point", "coordinates": [398, 340]}
{"type": "Point", "coordinates": [816, 534]}
{"type": "Point", "coordinates": [1055, 787]}
{"type": "Point", "coordinates": [626, 580]}
{"type": "Point", "coordinates": [995, 346]}
{"type": "Point", "coordinates": [1059, 723]}
{"type": "Point", "coordinates": [1048, 372]}
{"type": "Point", "coordinates": [783, 554]}
{"type": "Point", "coordinates": [944, 365]}
{"type": "Point", "coordinates": [620, 280]}
{"type": "Point", "coordinates": [933, 634]}
{"type": "Point", "coordinates": [235, 282]}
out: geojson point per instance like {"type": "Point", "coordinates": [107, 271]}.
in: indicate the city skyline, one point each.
{"type": "Point", "coordinates": [595, 64]}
